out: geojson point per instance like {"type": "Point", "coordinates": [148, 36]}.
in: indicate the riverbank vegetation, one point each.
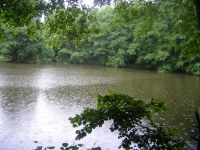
{"type": "Point", "coordinates": [159, 35]}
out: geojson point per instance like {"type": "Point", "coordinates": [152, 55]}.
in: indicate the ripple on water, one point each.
{"type": "Point", "coordinates": [36, 101]}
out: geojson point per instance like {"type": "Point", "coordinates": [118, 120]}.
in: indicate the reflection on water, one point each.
{"type": "Point", "coordinates": [36, 100]}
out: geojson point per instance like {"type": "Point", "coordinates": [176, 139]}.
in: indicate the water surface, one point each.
{"type": "Point", "coordinates": [37, 100]}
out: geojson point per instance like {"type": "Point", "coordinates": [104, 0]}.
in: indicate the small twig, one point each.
{"type": "Point", "coordinates": [88, 11]}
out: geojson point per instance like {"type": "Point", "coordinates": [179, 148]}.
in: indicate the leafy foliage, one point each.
{"type": "Point", "coordinates": [161, 35]}
{"type": "Point", "coordinates": [62, 28]}
{"type": "Point", "coordinates": [21, 47]}
{"type": "Point", "coordinates": [144, 35]}
{"type": "Point", "coordinates": [19, 13]}
{"type": "Point", "coordinates": [66, 146]}
{"type": "Point", "coordinates": [132, 118]}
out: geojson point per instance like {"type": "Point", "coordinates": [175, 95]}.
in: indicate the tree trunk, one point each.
{"type": "Point", "coordinates": [14, 56]}
{"type": "Point", "coordinates": [55, 56]}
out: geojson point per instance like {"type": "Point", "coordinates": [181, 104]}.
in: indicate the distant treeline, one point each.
{"type": "Point", "coordinates": [158, 35]}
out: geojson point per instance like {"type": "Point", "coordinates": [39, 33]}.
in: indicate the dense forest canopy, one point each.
{"type": "Point", "coordinates": [161, 35]}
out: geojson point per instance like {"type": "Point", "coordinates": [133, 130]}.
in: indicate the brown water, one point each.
{"type": "Point", "coordinates": [36, 101]}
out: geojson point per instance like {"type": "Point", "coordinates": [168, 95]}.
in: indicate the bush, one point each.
{"type": "Point", "coordinates": [64, 55]}
{"type": "Point", "coordinates": [193, 69]}
{"type": "Point", "coordinates": [78, 57]}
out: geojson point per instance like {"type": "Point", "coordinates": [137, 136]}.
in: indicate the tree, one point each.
{"type": "Point", "coordinates": [23, 44]}
{"type": "Point", "coordinates": [19, 13]}
{"type": "Point", "coordinates": [21, 31]}
{"type": "Point", "coordinates": [132, 118]}
{"type": "Point", "coordinates": [63, 28]}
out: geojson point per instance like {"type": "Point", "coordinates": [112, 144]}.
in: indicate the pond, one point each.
{"type": "Point", "coordinates": [37, 100]}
